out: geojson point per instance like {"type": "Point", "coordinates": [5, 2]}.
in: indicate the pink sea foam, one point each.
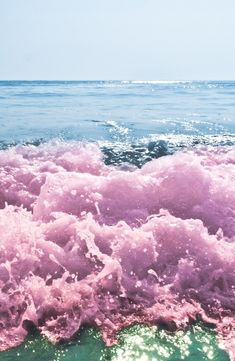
{"type": "Point", "coordinates": [86, 243]}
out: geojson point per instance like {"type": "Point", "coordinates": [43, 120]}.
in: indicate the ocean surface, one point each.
{"type": "Point", "coordinates": [117, 220]}
{"type": "Point", "coordinates": [109, 111]}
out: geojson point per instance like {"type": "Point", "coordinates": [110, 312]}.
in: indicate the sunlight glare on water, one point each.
{"type": "Point", "coordinates": [136, 343]}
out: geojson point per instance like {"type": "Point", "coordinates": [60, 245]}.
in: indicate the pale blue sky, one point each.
{"type": "Point", "coordinates": [117, 39]}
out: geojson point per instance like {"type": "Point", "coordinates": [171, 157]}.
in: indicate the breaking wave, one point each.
{"type": "Point", "coordinates": [83, 242]}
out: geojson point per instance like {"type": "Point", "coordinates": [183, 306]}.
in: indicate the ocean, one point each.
{"type": "Point", "coordinates": [117, 219]}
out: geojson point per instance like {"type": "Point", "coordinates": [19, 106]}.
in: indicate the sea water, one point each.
{"type": "Point", "coordinates": [117, 208]}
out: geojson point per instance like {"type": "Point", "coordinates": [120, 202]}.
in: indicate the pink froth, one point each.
{"type": "Point", "coordinates": [82, 242]}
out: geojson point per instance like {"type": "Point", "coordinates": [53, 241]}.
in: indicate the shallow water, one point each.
{"type": "Point", "coordinates": [117, 206]}
{"type": "Point", "coordinates": [135, 343]}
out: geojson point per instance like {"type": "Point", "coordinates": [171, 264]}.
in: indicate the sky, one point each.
{"type": "Point", "coordinates": [117, 39]}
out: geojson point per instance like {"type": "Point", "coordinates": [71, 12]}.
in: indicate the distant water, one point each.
{"type": "Point", "coordinates": [115, 110]}
{"type": "Point", "coordinates": [117, 207]}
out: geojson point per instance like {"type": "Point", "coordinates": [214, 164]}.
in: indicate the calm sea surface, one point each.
{"type": "Point", "coordinates": [115, 110]}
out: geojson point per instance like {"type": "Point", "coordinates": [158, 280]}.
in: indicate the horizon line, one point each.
{"type": "Point", "coordinates": [119, 80]}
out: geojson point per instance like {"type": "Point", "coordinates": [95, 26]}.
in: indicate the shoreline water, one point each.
{"type": "Point", "coordinates": [136, 342]}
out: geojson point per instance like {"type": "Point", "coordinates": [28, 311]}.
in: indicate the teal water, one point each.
{"type": "Point", "coordinates": [136, 343]}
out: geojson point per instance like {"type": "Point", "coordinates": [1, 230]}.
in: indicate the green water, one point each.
{"type": "Point", "coordinates": [137, 343]}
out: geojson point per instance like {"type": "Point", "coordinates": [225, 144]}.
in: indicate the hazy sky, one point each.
{"type": "Point", "coordinates": [117, 39]}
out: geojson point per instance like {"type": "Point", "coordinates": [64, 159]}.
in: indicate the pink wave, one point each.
{"type": "Point", "coordinates": [85, 243]}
